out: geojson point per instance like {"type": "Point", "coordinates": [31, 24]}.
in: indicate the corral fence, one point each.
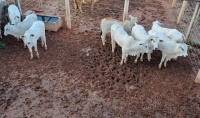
{"type": "Point", "coordinates": [187, 12]}
{"type": "Point", "coordinates": [188, 22]}
{"type": "Point", "coordinates": [55, 7]}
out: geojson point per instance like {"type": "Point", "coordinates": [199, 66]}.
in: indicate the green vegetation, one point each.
{"type": "Point", "coordinates": [191, 43]}
{"type": "Point", "coordinates": [2, 45]}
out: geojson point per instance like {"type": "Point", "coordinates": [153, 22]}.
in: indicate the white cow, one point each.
{"type": "Point", "coordinates": [14, 14]}
{"type": "Point", "coordinates": [106, 24]}
{"type": "Point", "coordinates": [139, 33]}
{"type": "Point", "coordinates": [129, 45]}
{"type": "Point", "coordinates": [173, 34]}
{"type": "Point", "coordinates": [158, 34]}
{"type": "Point", "coordinates": [19, 29]}
{"type": "Point", "coordinates": [171, 50]}
{"type": "Point", "coordinates": [36, 31]}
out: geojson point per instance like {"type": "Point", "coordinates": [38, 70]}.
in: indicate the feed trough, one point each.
{"type": "Point", "coordinates": [52, 23]}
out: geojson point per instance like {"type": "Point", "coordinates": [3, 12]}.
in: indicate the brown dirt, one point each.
{"type": "Point", "coordinates": [78, 77]}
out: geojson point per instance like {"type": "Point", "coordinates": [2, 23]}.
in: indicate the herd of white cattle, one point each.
{"type": "Point", "coordinates": [135, 40]}
{"type": "Point", "coordinates": [29, 29]}
{"type": "Point", "coordinates": [132, 37]}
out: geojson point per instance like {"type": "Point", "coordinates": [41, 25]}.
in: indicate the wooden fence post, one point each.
{"type": "Point", "coordinates": [192, 21]}
{"type": "Point", "coordinates": [198, 14]}
{"type": "Point", "coordinates": [182, 11]}
{"type": "Point", "coordinates": [67, 6]}
{"type": "Point", "coordinates": [126, 4]}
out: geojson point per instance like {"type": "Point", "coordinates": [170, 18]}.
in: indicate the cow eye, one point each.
{"type": "Point", "coordinates": [29, 42]}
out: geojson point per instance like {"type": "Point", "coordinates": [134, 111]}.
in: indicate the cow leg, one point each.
{"type": "Point", "coordinates": [149, 56]}
{"type": "Point", "coordinates": [123, 57]}
{"type": "Point", "coordinates": [138, 55]}
{"type": "Point", "coordinates": [92, 6]}
{"type": "Point", "coordinates": [113, 43]}
{"type": "Point", "coordinates": [31, 52]}
{"type": "Point", "coordinates": [103, 38]}
{"type": "Point", "coordinates": [141, 57]}
{"type": "Point", "coordinates": [36, 51]}
{"type": "Point", "coordinates": [80, 7]}
{"type": "Point", "coordinates": [44, 42]}
{"type": "Point", "coordinates": [165, 64]}
{"type": "Point", "coordinates": [24, 43]}
{"type": "Point", "coordinates": [75, 5]}
{"type": "Point", "coordinates": [162, 60]}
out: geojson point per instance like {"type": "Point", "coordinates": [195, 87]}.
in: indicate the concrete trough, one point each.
{"type": "Point", "coordinates": [52, 23]}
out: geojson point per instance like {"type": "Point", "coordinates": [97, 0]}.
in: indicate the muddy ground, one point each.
{"type": "Point", "coordinates": [79, 77]}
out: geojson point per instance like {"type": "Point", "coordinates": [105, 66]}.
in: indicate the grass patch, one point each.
{"type": "Point", "coordinates": [2, 45]}
{"type": "Point", "coordinates": [191, 43]}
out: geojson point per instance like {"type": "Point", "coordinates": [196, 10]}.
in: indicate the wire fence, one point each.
{"type": "Point", "coordinates": [184, 26]}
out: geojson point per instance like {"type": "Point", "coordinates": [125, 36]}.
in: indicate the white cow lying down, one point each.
{"type": "Point", "coordinates": [106, 24]}
{"type": "Point", "coordinates": [129, 45]}
{"type": "Point", "coordinates": [36, 31]}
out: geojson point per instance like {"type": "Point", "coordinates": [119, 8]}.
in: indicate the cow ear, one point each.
{"type": "Point", "coordinates": [32, 35]}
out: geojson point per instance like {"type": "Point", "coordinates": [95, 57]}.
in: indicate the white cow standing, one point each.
{"type": "Point", "coordinates": [171, 50]}
{"type": "Point", "coordinates": [36, 31]}
{"type": "Point", "coordinates": [129, 45]}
